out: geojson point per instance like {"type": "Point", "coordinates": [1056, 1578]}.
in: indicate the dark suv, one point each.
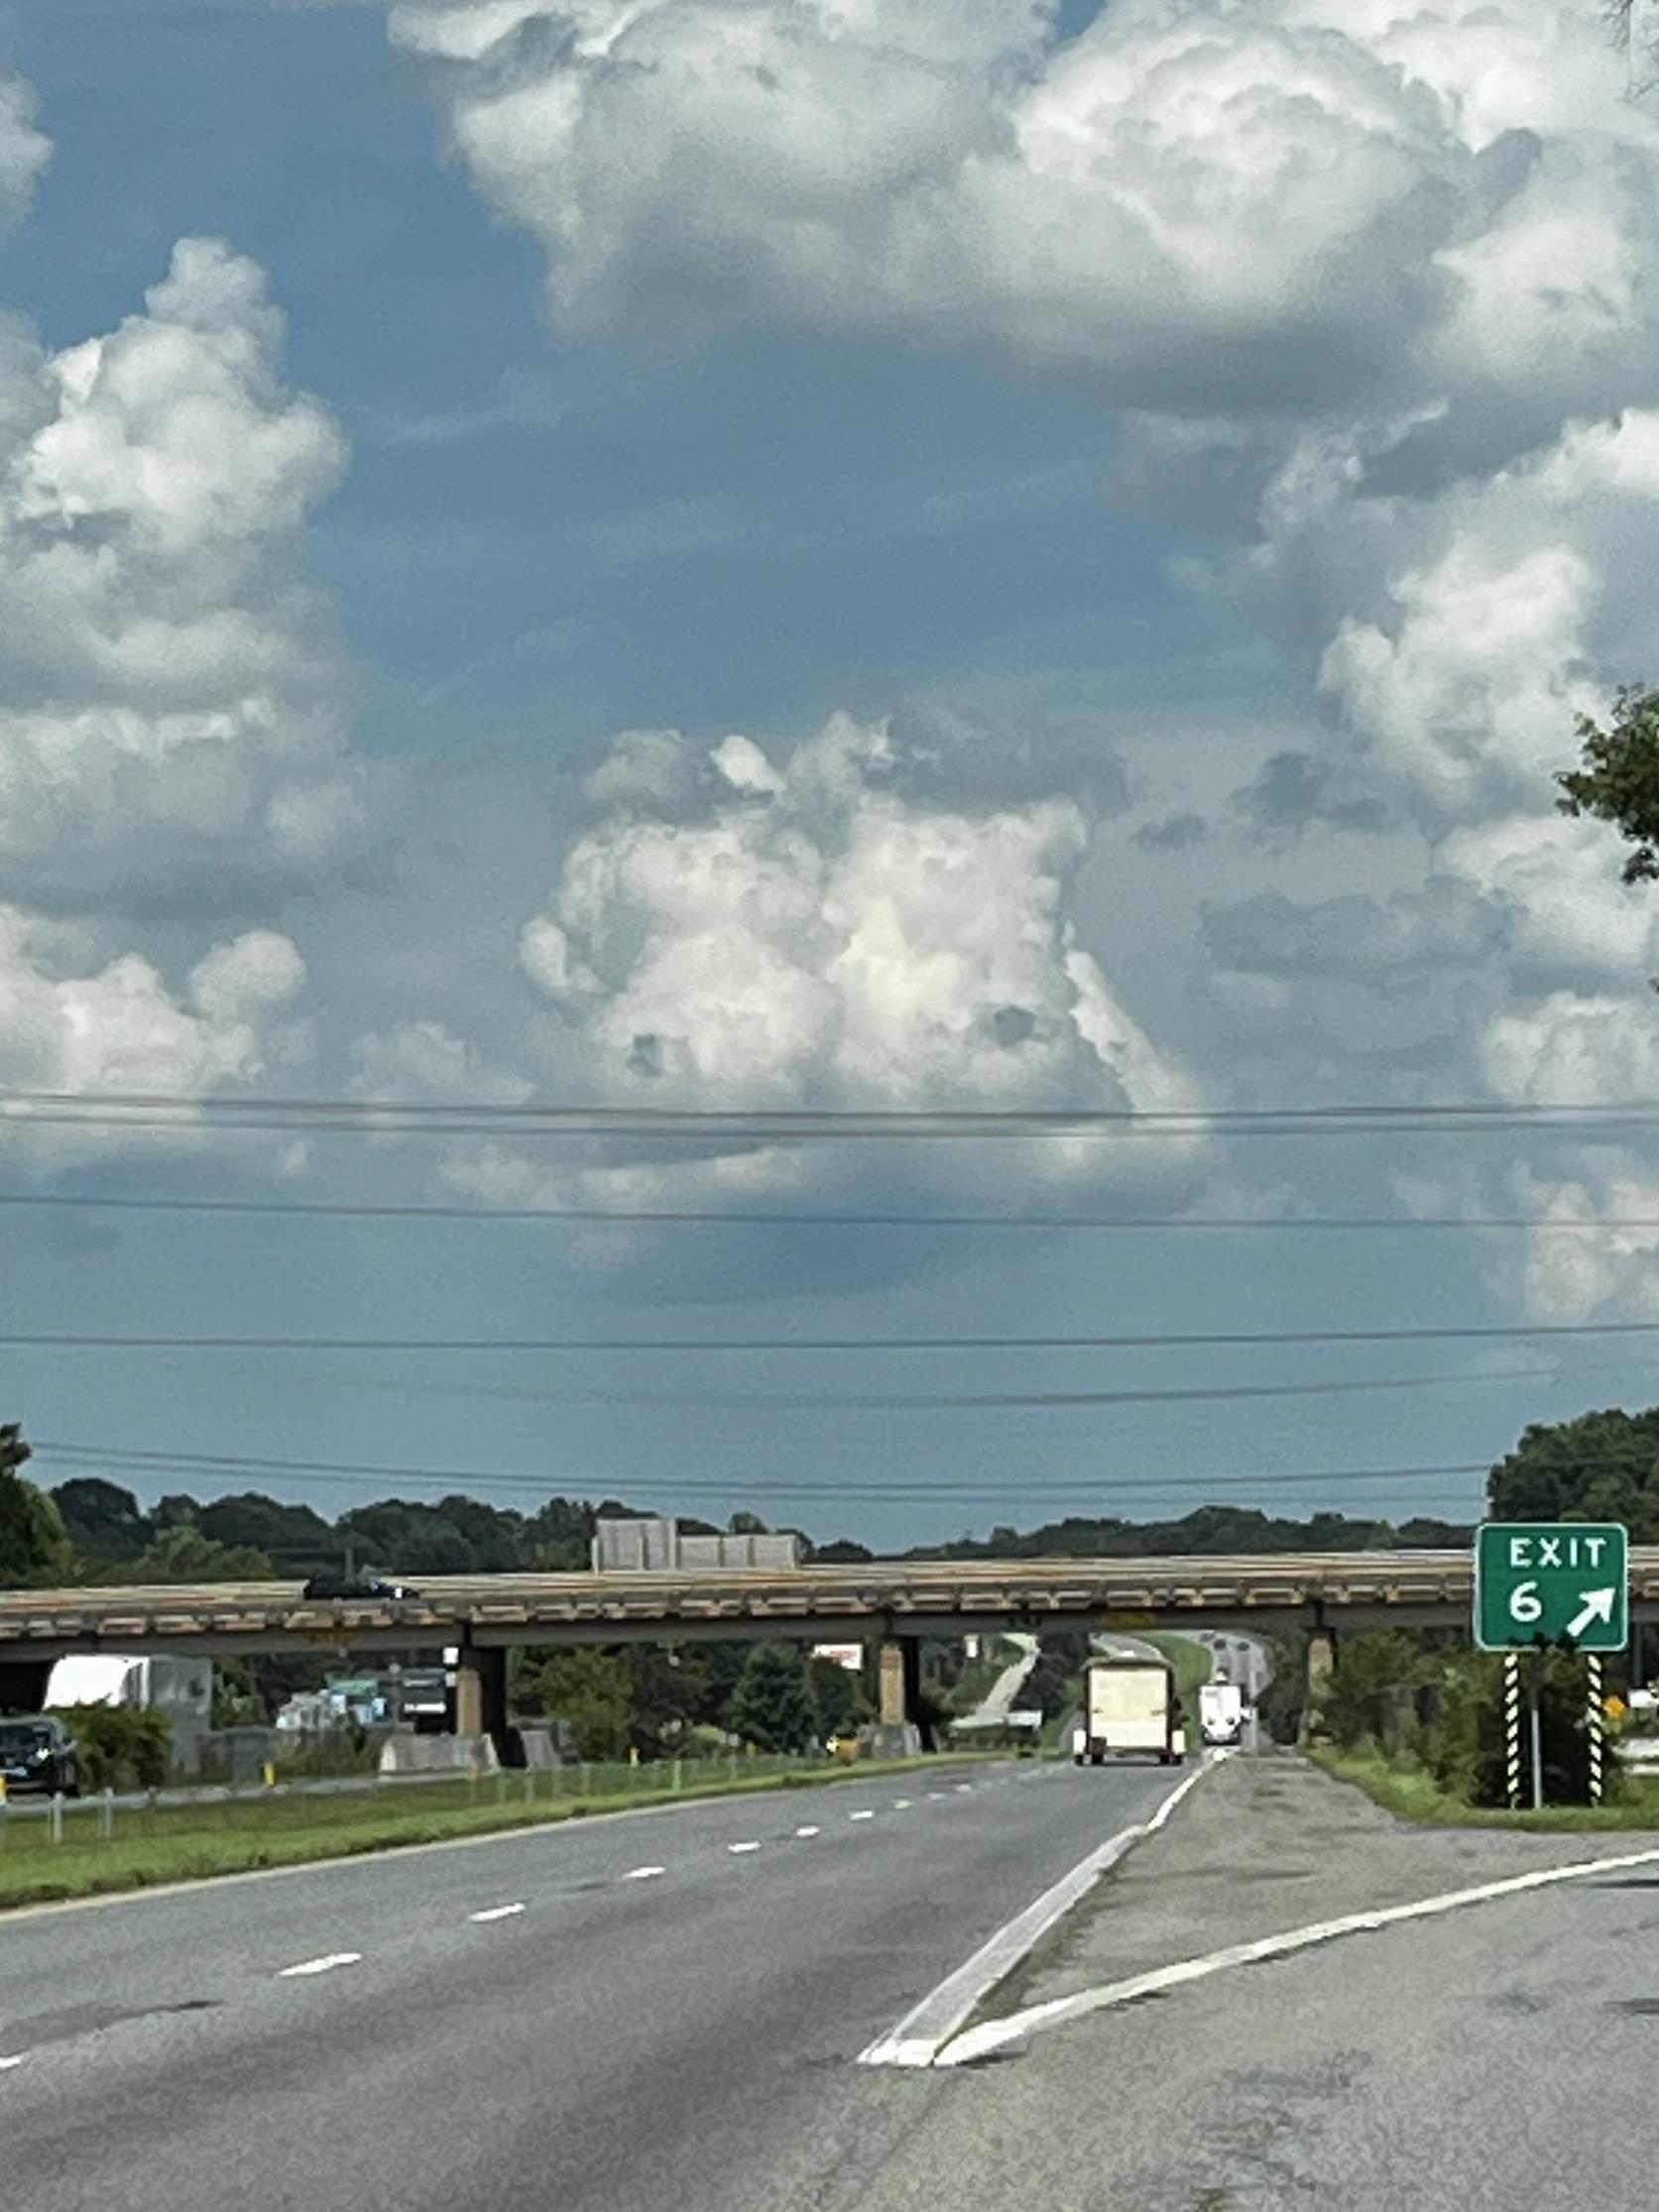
{"type": "Point", "coordinates": [334, 1584]}
{"type": "Point", "coordinates": [38, 1753]}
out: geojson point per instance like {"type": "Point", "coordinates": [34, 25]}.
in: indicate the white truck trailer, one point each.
{"type": "Point", "coordinates": [1220, 1712]}
{"type": "Point", "coordinates": [1130, 1711]}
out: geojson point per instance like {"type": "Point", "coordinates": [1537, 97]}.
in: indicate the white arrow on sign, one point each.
{"type": "Point", "coordinates": [1597, 1606]}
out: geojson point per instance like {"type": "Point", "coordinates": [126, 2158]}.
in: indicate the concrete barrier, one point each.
{"type": "Point", "coordinates": [411, 1754]}
{"type": "Point", "coordinates": [536, 1748]}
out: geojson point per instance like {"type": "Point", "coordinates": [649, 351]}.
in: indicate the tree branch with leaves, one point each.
{"type": "Point", "coordinates": [1618, 780]}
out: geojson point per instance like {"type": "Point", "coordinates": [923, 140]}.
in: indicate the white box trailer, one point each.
{"type": "Point", "coordinates": [1130, 1711]}
{"type": "Point", "coordinates": [1220, 1712]}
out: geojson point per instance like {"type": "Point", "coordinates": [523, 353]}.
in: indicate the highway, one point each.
{"type": "Point", "coordinates": [361, 2035]}
{"type": "Point", "coordinates": [670, 2008]}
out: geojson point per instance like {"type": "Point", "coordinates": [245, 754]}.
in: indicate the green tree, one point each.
{"type": "Point", "coordinates": [120, 1748]}
{"type": "Point", "coordinates": [104, 1522]}
{"type": "Point", "coordinates": [1371, 1697]}
{"type": "Point", "coordinates": [1600, 1466]}
{"type": "Point", "coordinates": [1465, 1750]}
{"type": "Point", "coordinates": [182, 1554]}
{"type": "Point", "coordinates": [838, 1699]}
{"type": "Point", "coordinates": [294, 1536]}
{"type": "Point", "coordinates": [34, 1549]}
{"type": "Point", "coordinates": [772, 1705]}
{"type": "Point", "coordinates": [588, 1688]}
{"type": "Point", "coordinates": [1619, 781]}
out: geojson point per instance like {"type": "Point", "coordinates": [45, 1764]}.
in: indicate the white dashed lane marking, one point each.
{"type": "Point", "coordinates": [496, 1913]}
{"type": "Point", "coordinates": [735, 1848]}
{"type": "Point", "coordinates": [643, 1873]}
{"type": "Point", "coordinates": [901, 1804]}
{"type": "Point", "coordinates": [17, 2062]}
{"type": "Point", "coordinates": [861, 1815]}
{"type": "Point", "coordinates": [320, 1965]}
{"type": "Point", "coordinates": [807, 1832]}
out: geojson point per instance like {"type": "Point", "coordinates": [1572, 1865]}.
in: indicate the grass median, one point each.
{"type": "Point", "coordinates": [1412, 1794]}
{"type": "Point", "coordinates": [193, 1842]}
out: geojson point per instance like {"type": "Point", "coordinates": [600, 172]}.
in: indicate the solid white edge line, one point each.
{"type": "Point", "coordinates": [993, 2034]}
{"type": "Point", "coordinates": [496, 1913]}
{"type": "Point", "coordinates": [917, 2038]}
{"type": "Point", "coordinates": [643, 1873]}
{"type": "Point", "coordinates": [737, 1848]}
{"type": "Point", "coordinates": [320, 1965]}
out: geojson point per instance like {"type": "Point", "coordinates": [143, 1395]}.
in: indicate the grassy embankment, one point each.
{"type": "Point", "coordinates": [1414, 1795]}
{"type": "Point", "coordinates": [176, 1843]}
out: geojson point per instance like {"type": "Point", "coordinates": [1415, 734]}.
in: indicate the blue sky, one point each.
{"type": "Point", "coordinates": [652, 421]}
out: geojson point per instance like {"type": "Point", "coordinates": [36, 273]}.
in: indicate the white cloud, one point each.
{"type": "Point", "coordinates": [1374, 287]}
{"type": "Point", "coordinates": [1573, 1048]}
{"type": "Point", "coordinates": [423, 1059]}
{"type": "Point", "coordinates": [1188, 202]}
{"type": "Point", "coordinates": [66, 1026]}
{"type": "Point", "coordinates": [174, 685]}
{"type": "Point", "coordinates": [1568, 1277]}
{"type": "Point", "coordinates": [814, 938]}
{"type": "Point", "coordinates": [25, 149]}
{"type": "Point", "coordinates": [800, 930]}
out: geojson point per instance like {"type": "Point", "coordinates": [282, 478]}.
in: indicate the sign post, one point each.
{"type": "Point", "coordinates": [1512, 1728]}
{"type": "Point", "coordinates": [1543, 1585]}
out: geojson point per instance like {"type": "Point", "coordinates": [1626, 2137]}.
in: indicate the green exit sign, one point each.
{"type": "Point", "coordinates": [1552, 1580]}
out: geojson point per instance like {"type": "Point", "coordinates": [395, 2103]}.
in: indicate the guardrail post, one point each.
{"type": "Point", "coordinates": [108, 1809]}
{"type": "Point", "coordinates": [58, 1817]}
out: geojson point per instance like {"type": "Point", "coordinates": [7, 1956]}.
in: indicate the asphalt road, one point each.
{"type": "Point", "coordinates": [1003, 1691]}
{"type": "Point", "coordinates": [606, 2037]}
{"type": "Point", "coordinates": [1482, 2060]}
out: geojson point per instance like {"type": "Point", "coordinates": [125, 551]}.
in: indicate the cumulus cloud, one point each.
{"type": "Point", "coordinates": [173, 684]}
{"type": "Point", "coordinates": [754, 926]}
{"type": "Point", "coordinates": [1297, 203]}
{"type": "Point", "coordinates": [25, 149]}
{"type": "Point", "coordinates": [68, 1025]}
{"type": "Point", "coordinates": [1371, 289]}
{"type": "Point", "coordinates": [810, 935]}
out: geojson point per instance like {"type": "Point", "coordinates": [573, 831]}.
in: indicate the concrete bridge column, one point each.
{"type": "Point", "coordinates": [898, 1681]}
{"type": "Point", "coordinates": [1322, 1661]}
{"type": "Point", "coordinates": [481, 1694]}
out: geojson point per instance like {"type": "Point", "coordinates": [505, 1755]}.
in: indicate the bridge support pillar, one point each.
{"type": "Point", "coordinates": [481, 1696]}
{"type": "Point", "coordinates": [1322, 1661]}
{"type": "Point", "coordinates": [898, 1697]}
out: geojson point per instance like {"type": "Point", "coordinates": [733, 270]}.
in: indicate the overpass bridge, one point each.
{"type": "Point", "coordinates": [890, 1603]}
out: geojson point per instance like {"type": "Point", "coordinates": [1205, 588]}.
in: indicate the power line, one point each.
{"type": "Point", "coordinates": [1032, 1400]}
{"type": "Point", "coordinates": [150, 1109]}
{"type": "Point", "coordinates": [718, 1217]}
{"type": "Point", "coordinates": [491, 1347]}
{"type": "Point", "coordinates": [832, 1487]}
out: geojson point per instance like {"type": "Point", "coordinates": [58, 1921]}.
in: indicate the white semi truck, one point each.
{"type": "Point", "coordinates": [1130, 1711]}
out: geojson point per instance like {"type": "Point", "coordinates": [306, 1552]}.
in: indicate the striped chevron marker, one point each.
{"type": "Point", "coordinates": [1594, 1727]}
{"type": "Point", "coordinates": [1512, 1725]}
